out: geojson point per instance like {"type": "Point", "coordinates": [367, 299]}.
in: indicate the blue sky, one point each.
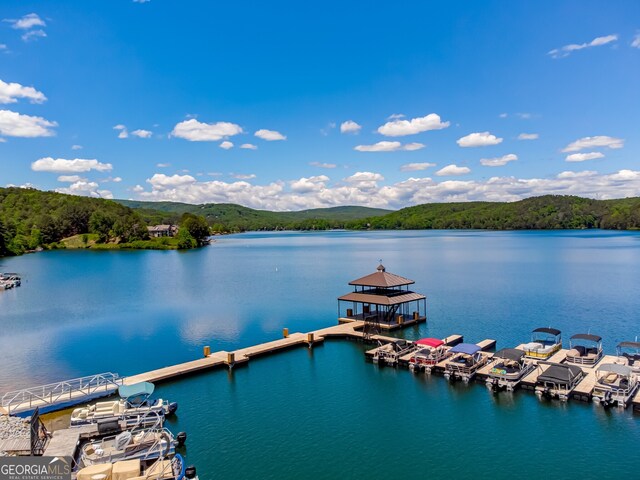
{"type": "Point", "coordinates": [437, 101]}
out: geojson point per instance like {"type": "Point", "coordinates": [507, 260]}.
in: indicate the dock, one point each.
{"type": "Point", "coordinates": [64, 442]}
{"type": "Point", "coordinates": [227, 359]}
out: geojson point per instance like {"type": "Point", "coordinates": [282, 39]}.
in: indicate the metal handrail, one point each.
{"type": "Point", "coordinates": [56, 392]}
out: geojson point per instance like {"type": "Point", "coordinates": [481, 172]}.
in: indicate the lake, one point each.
{"type": "Point", "coordinates": [326, 412]}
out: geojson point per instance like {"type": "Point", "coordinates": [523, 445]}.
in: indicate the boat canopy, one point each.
{"type": "Point", "coordinates": [560, 373]}
{"type": "Point", "coordinates": [467, 348]}
{"type": "Point", "coordinates": [550, 331]}
{"type": "Point", "coordinates": [629, 345]}
{"type": "Point", "coordinates": [430, 342]}
{"type": "Point", "coordinates": [510, 354]}
{"type": "Point", "coordinates": [142, 389]}
{"type": "Point", "coordinates": [623, 370]}
{"type": "Point", "coordinates": [587, 337]}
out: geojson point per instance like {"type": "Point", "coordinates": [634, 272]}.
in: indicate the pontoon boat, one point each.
{"type": "Point", "coordinates": [391, 352]}
{"type": "Point", "coordinates": [467, 359]}
{"type": "Point", "coordinates": [509, 368]}
{"type": "Point", "coordinates": [160, 469]}
{"type": "Point", "coordinates": [558, 381]}
{"type": "Point", "coordinates": [629, 353]}
{"type": "Point", "coordinates": [615, 384]}
{"type": "Point", "coordinates": [149, 444]}
{"type": "Point", "coordinates": [544, 343]}
{"type": "Point", "coordinates": [432, 351]}
{"type": "Point", "coordinates": [134, 407]}
{"type": "Point", "coordinates": [585, 349]}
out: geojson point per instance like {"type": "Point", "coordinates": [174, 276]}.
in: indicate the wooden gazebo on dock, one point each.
{"type": "Point", "coordinates": [383, 300]}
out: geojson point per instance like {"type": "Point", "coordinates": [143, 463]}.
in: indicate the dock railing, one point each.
{"type": "Point", "coordinates": [60, 392]}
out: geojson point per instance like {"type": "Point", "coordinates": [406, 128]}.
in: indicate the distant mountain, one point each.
{"type": "Point", "coordinates": [231, 217]}
{"type": "Point", "coordinates": [546, 212]}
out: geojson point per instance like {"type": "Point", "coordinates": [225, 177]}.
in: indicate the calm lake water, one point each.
{"type": "Point", "coordinates": [326, 413]}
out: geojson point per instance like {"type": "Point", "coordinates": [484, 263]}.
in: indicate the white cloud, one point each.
{"type": "Point", "coordinates": [138, 188]}
{"type": "Point", "coordinates": [350, 126]}
{"type": "Point", "coordinates": [636, 41]}
{"type": "Point", "coordinates": [581, 157]}
{"type": "Point", "coordinates": [528, 136]}
{"type": "Point", "coordinates": [498, 161]}
{"type": "Point", "coordinates": [123, 131]}
{"type": "Point", "coordinates": [71, 178]}
{"type": "Point", "coordinates": [14, 124]}
{"type": "Point", "coordinates": [76, 147]}
{"type": "Point", "coordinates": [399, 128]}
{"type": "Point", "coordinates": [248, 146]}
{"type": "Point", "coordinates": [10, 92]}
{"type": "Point", "coordinates": [594, 142]}
{"type": "Point", "coordinates": [163, 165]}
{"type": "Point", "coordinates": [478, 139]}
{"type": "Point", "coordinates": [524, 115]}
{"type": "Point", "coordinates": [33, 35]}
{"type": "Point", "coordinates": [116, 179]}
{"type": "Point", "coordinates": [311, 184]}
{"type": "Point", "coordinates": [141, 1]}
{"type": "Point", "coordinates": [269, 135]}
{"type": "Point", "coordinates": [503, 115]}
{"type": "Point", "coordinates": [322, 165]}
{"type": "Point", "coordinates": [386, 146]}
{"type": "Point", "coordinates": [395, 116]}
{"type": "Point", "coordinates": [196, 131]}
{"type": "Point", "coordinates": [161, 182]}
{"type": "Point", "coordinates": [25, 23]}
{"type": "Point", "coordinates": [142, 133]}
{"type": "Point", "coordinates": [453, 170]}
{"type": "Point", "coordinates": [363, 189]}
{"type": "Point", "coordinates": [62, 165]}
{"type": "Point", "coordinates": [568, 49]}
{"type": "Point", "coordinates": [414, 167]}
{"type": "Point", "coordinates": [243, 176]}
{"type": "Point", "coordinates": [226, 145]}
{"type": "Point", "coordinates": [85, 188]}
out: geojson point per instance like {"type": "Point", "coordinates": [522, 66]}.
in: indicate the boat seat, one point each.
{"type": "Point", "coordinates": [610, 378]}
{"type": "Point", "coordinates": [573, 353]}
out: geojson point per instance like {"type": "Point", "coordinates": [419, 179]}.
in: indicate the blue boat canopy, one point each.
{"type": "Point", "coordinates": [468, 348]}
{"type": "Point", "coordinates": [142, 389]}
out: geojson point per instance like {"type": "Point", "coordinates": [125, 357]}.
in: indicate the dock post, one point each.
{"type": "Point", "coordinates": [207, 350]}
{"type": "Point", "coordinates": [400, 319]}
{"type": "Point", "coordinates": [310, 339]}
{"type": "Point", "coordinates": [231, 359]}
{"type": "Point", "coordinates": [416, 315]}
{"type": "Point", "coordinates": [285, 333]}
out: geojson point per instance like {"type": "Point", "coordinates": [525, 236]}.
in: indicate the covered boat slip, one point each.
{"type": "Point", "coordinates": [465, 360]}
{"type": "Point", "coordinates": [630, 352]}
{"type": "Point", "coordinates": [383, 301]}
{"type": "Point", "coordinates": [610, 383]}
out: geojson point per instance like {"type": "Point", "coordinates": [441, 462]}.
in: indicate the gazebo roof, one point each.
{"type": "Point", "coordinates": [381, 299]}
{"type": "Point", "coordinates": [381, 279]}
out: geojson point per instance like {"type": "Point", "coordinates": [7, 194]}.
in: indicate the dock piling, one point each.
{"type": "Point", "coordinates": [231, 359]}
{"type": "Point", "coordinates": [310, 339]}
{"type": "Point", "coordinates": [206, 350]}
{"type": "Point", "coordinates": [285, 333]}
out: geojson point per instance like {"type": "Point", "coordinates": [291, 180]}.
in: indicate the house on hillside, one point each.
{"type": "Point", "coordinates": [157, 231]}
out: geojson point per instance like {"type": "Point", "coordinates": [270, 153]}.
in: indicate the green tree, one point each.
{"type": "Point", "coordinates": [185, 240]}
{"type": "Point", "coordinates": [101, 223]}
{"type": "Point", "coordinates": [197, 227]}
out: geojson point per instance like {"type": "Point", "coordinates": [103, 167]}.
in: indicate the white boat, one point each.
{"type": "Point", "coordinates": [558, 381]}
{"type": "Point", "coordinates": [143, 445]}
{"type": "Point", "coordinates": [584, 349]}
{"type": "Point", "coordinates": [629, 354]}
{"type": "Point", "coordinates": [510, 366]}
{"type": "Point", "coordinates": [133, 407]}
{"type": "Point", "coordinates": [615, 385]}
{"type": "Point", "coordinates": [544, 343]}
{"type": "Point", "coordinates": [160, 469]}
{"type": "Point", "coordinates": [391, 352]}
{"type": "Point", "coordinates": [466, 360]}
